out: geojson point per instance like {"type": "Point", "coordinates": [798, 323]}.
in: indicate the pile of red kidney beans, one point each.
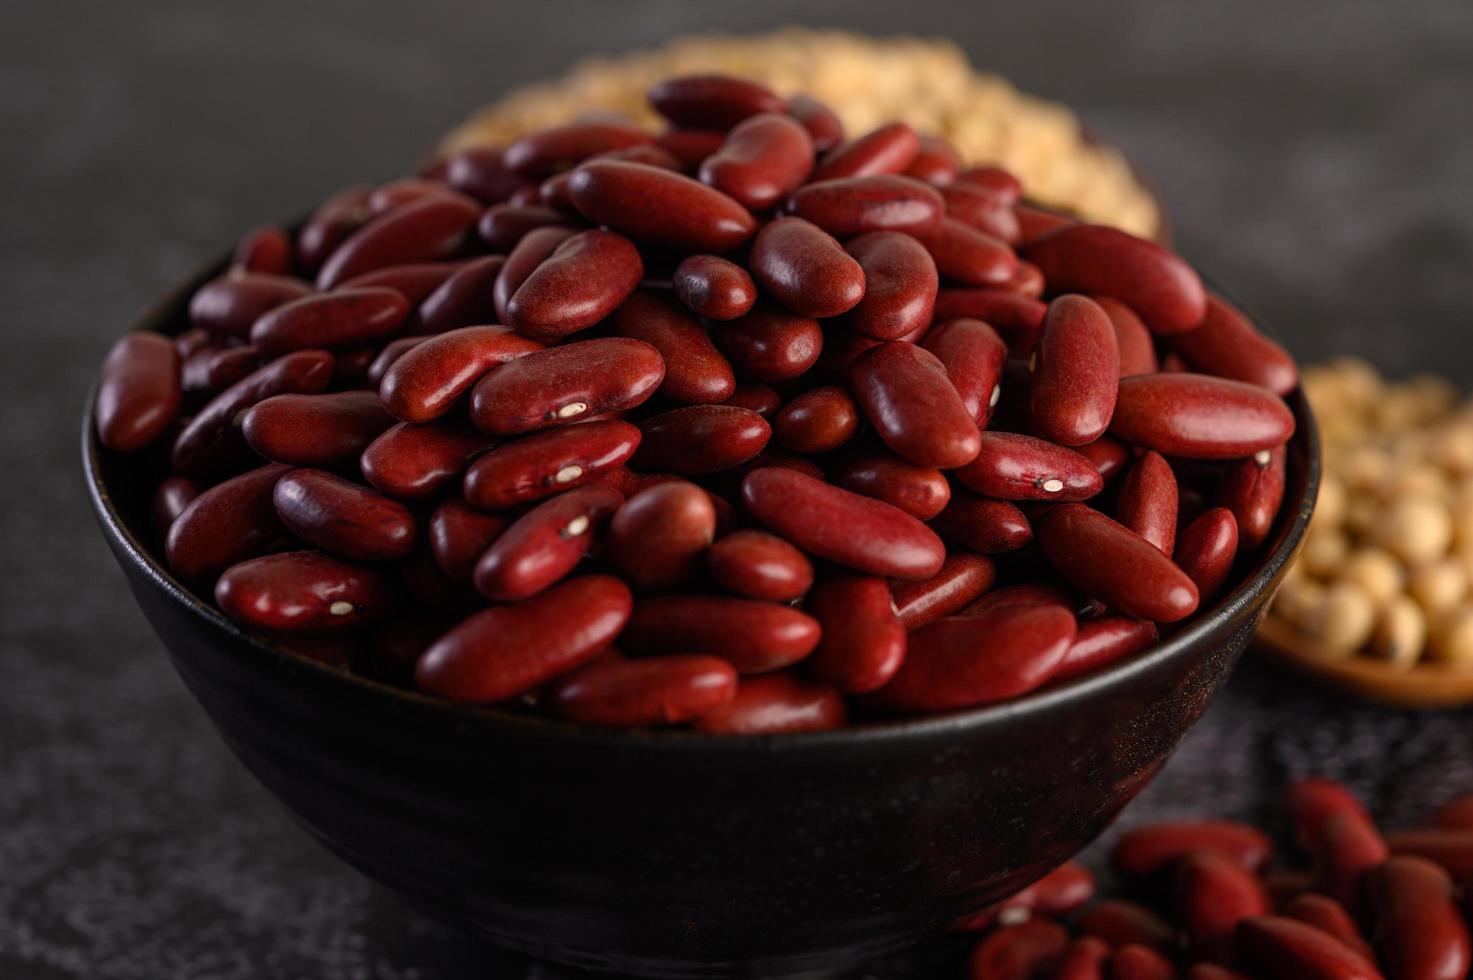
{"type": "Point", "coordinates": [746, 426]}
{"type": "Point", "coordinates": [1206, 905]}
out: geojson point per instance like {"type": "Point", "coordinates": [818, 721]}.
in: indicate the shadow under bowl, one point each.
{"type": "Point", "coordinates": [677, 854]}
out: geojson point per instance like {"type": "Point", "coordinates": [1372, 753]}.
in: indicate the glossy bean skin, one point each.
{"type": "Point", "coordinates": [343, 518]}
{"type": "Point", "coordinates": [481, 172]}
{"type": "Point", "coordinates": [1335, 831]}
{"type": "Point", "coordinates": [827, 522]}
{"type": "Point", "coordinates": [428, 380]}
{"type": "Point", "coordinates": [464, 299]}
{"type": "Point", "coordinates": [548, 151]}
{"type": "Point", "coordinates": [713, 287]}
{"type": "Point", "coordinates": [909, 399]}
{"type": "Point", "coordinates": [427, 230]}
{"type": "Point", "coordinates": [212, 441]}
{"type": "Point", "coordinates": [959, 662]}
{"type": "Point", "coordinates": [995, 180]}
{"type": "Point", "coordinates": [539, 465]}
{"type": "Point", "coordinates": [545, 544]}
{"type": "Point", "coordinates": [1075, 373]}
{"type": "Point", "coordinates": [659, 206]}
{"type": "Point", "coordinates": [690, 146]}
{"type": "Point", "coordinates": [1134, 341]}
{"type": "Point", "coordinates": [770, 345]}
{"type": "Point", "coordinates": [1010, 466]}
{"type": "Point", "coordinates": [229, 305]}
{"type": "Point", "coordinates": [326, 430]}
{"type": "Point", "coordinates": [228, 523]}
{"type": "Point", "coordinates": [1197, 416]}
{"type": "Point", "coordinates": [696, 373]}
{"type": "Point", "coordinates": [1112, 563]}
{"type": "Point", "coordinates": [863, 642]}
{"type": "Point", "coordinates": [653, 691]}
{"type": "Point", "coordinates": [1104, 641]}
{"type": "Point", "coordinates": [887, 150]}
{"type": "Point", "coordinates": [982, 209]}
{"type": "Point", "coordinates": [1148, 501]}
{"type": "Point", "coordinates": [818, 421]}
{"type": "Point", "coordinates": [169, 501]}
{"type": "Point", "coordinates": [397, 193]}
{"type": "Point", "coordinates": [1017, 952]}
{"type": "Point", "coordinates": [505, 651]}
{"type": "Point", "coordinates": [982, 524]}
{"type": "Point", "coordinates": [140, 391]}
{"type": "Point", "coordinates": [699, 439]}
{"type": "Point", "coordinates": [805, 269]}
{"type": "Point", "coordinates": [759, 565]}
{"type": "Point", "coordinates": [962, 579]}
{"type": "Point", "coordinates": [345, 319]}
{"type": "Point", "coordinates": [581, 282]}
{"type": "Point", "coordinates": [974, 357]}
{"type": "Point", "coordinates": [754, 637]}
{"type": "Point", "coordinates": [1206, 547]}
{"type": "Point", "coordinates": [333, 221]}
{"type": "Point", "coordinates": [1213, 893]}
{"type": "Point", "coordinates": [503, 226]}
{"type": "Point", "coordinates": [415, 462]}
{"type": "Point", "coordinates": [1108, 455]}
{"type": "Point", "coordinates": [712, 101]}
{"type": "Point", "coordinates": [416, 282]}
{"type": "Point", "coordinates": [1452, 849]}
{"type": "Point", "coordinates": [1285, 949]}
{"type": "Point", "coordinates": [763, 159]}
{"type": "Point", "coordinates": [1253, 489]}
{"type": "Point", "coordinates": [920, 491]}
{"type": "Point", "coordinates": [1228, 346]}
{"type": "Point", "coordinates": [1018, 318]}
{"type": "Point", "coordinates": [852, 206]}
{"type": "Point", "coordinates": [458, 536]}
{"type": "Point", "coordinates": [1026, 281]}
{"type": "Point", "coordinates": [529, 254]}
{"type": "Point", "coordinates": [659, 537]}
{"type": "Point", "coordinates": [823, 125]}
{"type": "Point", "coordinates": [770, 704]}
{"type": "Point", "coordinates": [304, 591]}
{"type": "Point", "coordinates": [1157, 285]}
{"type": "Point", "coordinates": [565, 384]}
{"type": "Point", "coordinates": [215, 370]}
{"type": "Point", "coordinates": [965, 255]}
{"type": "Point", "coordinates": [760, 398]}
{"type": "Point", "coordinates": [1330, 917]}
{"type": "Point", "coordinates": [900, 285]}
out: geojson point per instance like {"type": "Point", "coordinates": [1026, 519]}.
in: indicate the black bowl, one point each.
{"type": "Point", "coordinates": [670, 853]}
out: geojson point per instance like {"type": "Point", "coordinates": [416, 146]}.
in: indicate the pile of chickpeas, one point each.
{"type": "Point", "coordinates": [1387, 566]}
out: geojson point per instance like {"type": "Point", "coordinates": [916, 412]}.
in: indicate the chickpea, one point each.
{"type": "Point", "coordinates": [1325, 550]}
{"type": "Point", "coordinates": [1366, 467]}
{"type": "Point", "coordinates": [1439, 586]}
{"type": "Point", "coordinates": [1330, 508]}
{"type": "Point", "coordinates": [1342, 619]}
{"type": "Point", "coordinates": [1296, 598]}
{"type": "Point", "coordinates": [1361, 513]}
{"type": "Point", "coordinates": [1453, 449]}
{"type": "Point", "coordinates": [1452, 637]}
{"type": "Point", "coordinates": [1375, 572]}
{"type": "Point", "coordinates": [1419, 479]}
{"type": "Point", "coordinates": [1417, 529]}
{"type": "Point", "coordinates": [1400, 632]}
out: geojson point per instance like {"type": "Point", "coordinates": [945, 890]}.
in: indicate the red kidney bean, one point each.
{"type": "Point", "coordinates": [1137, 348]}
{"type": "Point", "coordinates": [347, 319]}
{"type": "Point", "coordinates": [397, 193]}
{"type": "Point", "coordinates": [763, 159]}
{"type": "Point", "coordinates": [342, 518]}
{"type": "Point", "coordinates": [428, 380]}
{"type": "Point", "coordinates": [1157, 285]}
{"type": "Point", "coordinates": [1062, 891]}
{"type": "Point", "coordinates": [1026, 281]}
{"type": "Point", "coordinates": [1018, 317]}
{"type": "Point", "coordinates": [909, 399]}
{"type": "Point", "coordinates": [863, 643]}
{"type": "Point", "coordinates": [1085, 959]}
{"type": "Point", "coordinates": [537, 466]}
{"type": "Point", "coordinates": [1228, 346]}
{"type": "Point", "coordinates": [920, 491]}
{"type": "Point", "coordinates": [646, 153]}
{"type": "Point", "coordinates": [690, 146]}
{"type": "Point", "coordinates": [1104, 641]}
{"type": "Point", "coordinates": [1455, 814]}
{"type": "Point", "coordinates": [1018, 467]}
{"type": "Point", "coordinates": [1338, 835]}
{"type": "Point", "coordinates": [566, 384]}
{"type": "Point", "coordinates": [482, 173]}
{"type": "Point", "coordinates": [304, 591]}
{"type": "Point", "coordinates": [503, 226]}
{"type": "Point", "coordinates": [1075, 372]}
{"type": "Point", "coordinates": [1148, 501]}
{"type": "Point", "coordinates": [772, 704]}
{"type": "Point", "coordinates": [937, 162]}
{"type": "Point", "coordinates": [581, 282]}
{"type": "Point", "coordinates": [529, 254]}
{"type": "Point", "coordinates": [968, 256]}
{"type": "Point", "coordinates": [505, 651]}
{"type": "Point", "coordinates": [659, 206]}
{"type": "Point", "coordinates": [459, 535]}
{"type": "Point", "coordinates": [140, 391]}
{"type": "Point", "coordinates": [1331, 918]}
{"type": "Point", "coordinates": [754, 637]}
{"type": "Point", "coordinates": [1108, 455]}
{"type": "Point", "coordinates": [212, 441]}
{"type": "Point", "coordinates": [545, 544]}
{"type": "Point", "coordinates": [1284, 949]}
{"type": "Point", "coordinates": [1090, 550]}
{"type": "Point", "coordinates": [1146, 851]}
{"type": "Point", "coordinates": [548, 151]}
{"type": "Point", "coordinates": [169, 501]}
{"type": "Point", "coordinates": [887, 150]}
{"type": "Point", "coordinates": [226, 307]}
{"type": "Point", "coordinates": [974, 357]}
{"type": "Point", "coordinates": [315, 430]}
{"type": "Point", "coordinates": [1253, 489]}
{"type": "Point", "coordinates": [900, 285]}
{"type": "Point", "coordinates": [843, 527]}
{"type": "Point", "coordinates": [1133, 962]}
{"type": "Point", "coordinates": [653, 691]}
{"type": "Point", "coordinates": [982, 209]}
{"type": "Point", "coordinates": [963, 577]}
{"type": "Point", "coordinates": [805, 269]}
{"type": "Point", "coordinates": [226, 524]}
{"type": "Point", "coordinates": [823, 125]}
{"type": "Point", "coordinates": [852, 206]}
{"type": "Point", "coordinates": [1283, 886]}
{"type": "Point", "coordinates": [464, 299]}
{"type": "Point", "coordinates": [659, 537]}
{"type": "Point", "coordinates": [1197, 416]}
{"type": "Point", "coordinates": [712, 101]}
{"type": "Point", "coordinates": [1213, 893]}
{"type": "Point", "coordinates": [1018, 952]}
{"type": "Point", "coordinates": [210, 370]}
{"type": "Point", "coordinates": [1035, 223]}
{"type": "Point", "coordinates": [713, 287]}
{"type": "Point", "coordinates": [417, 461]}
{"type": "Point", "coordinates": [1124, 923]}
{"type": "Point", "coordinates": [818, 421]}
{"type": "Point", "coordinates": [700, 439]}
{"type": "Point", "coordinates": [695, 371]}
{"type": "Point", "coordinates": [266, 250]}
{"type": "Point", "coordinates": [996, 181]}
{"type": "Point", "coordinates": [770, 344]}
{"type": "Point", "coordinates": [760, 398]}
{"type": "Point", "coordinates": [1452, 849]}
{"type": "Point", "coordinates": [427, 230]}
{"type": "Point", "coordinates": [982, 524]}
{"type": "Point", "coordinates": [415, 282]}
{"type": "Point", "coordinates": [337, 218]}
{"type": "Point", "coordinates": [760, 566]}
{"type": "Point", "coordinates": [1206, 547]}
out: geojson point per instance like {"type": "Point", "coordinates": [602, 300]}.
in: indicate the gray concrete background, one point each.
{"type": "Point", "coordinates": [1317, 158]}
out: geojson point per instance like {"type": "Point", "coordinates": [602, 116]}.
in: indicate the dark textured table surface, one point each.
{"type": "Point", "coordinates": [1317, 158]}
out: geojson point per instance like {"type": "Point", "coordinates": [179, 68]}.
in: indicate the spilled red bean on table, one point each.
{"type": "Point", "coordinates": [739, 426]}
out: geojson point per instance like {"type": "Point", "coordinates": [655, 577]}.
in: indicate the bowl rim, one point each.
{"type": "Point", "coordinates": [155, 319]}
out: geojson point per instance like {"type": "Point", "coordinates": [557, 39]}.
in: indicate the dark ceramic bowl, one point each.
{"type": "Point", "coordinates": [670, 853]}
